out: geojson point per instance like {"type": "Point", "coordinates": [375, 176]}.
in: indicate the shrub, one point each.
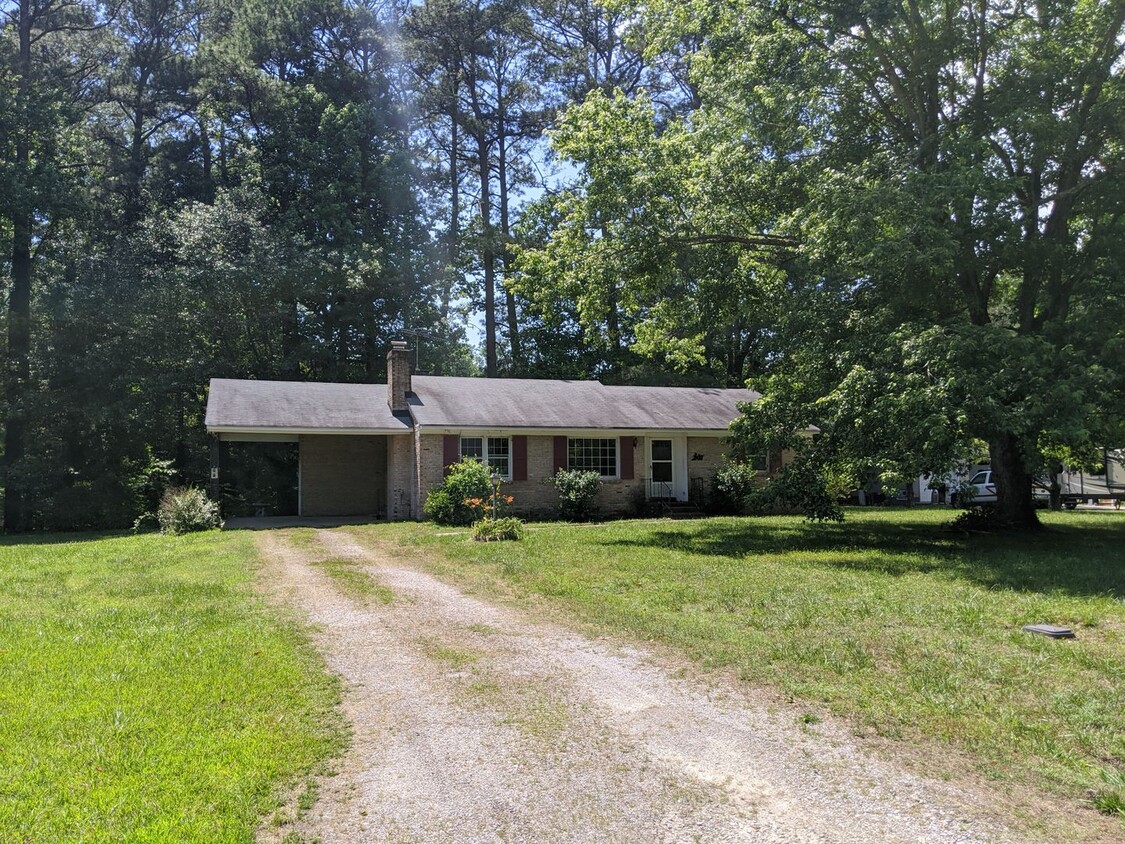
{"type": "Point", "coordinates": [732, 486]}
{"type": "Point", "coordinates": [800, 487]}
{"type": "Point", "coordinates": [466, 480]}
{"type": "Point", "coordinates": [494, 526]}
{"type": "Point", "coordinates": [186, 509]}
{"type": "Point", "coordinates": [145, 523]}
{"type": "Point", "coordinates": [982, 518]}
{"type": "Point", "coordinates": [497, 530]}
{"type": "Point", "coordinates": [578, 494]}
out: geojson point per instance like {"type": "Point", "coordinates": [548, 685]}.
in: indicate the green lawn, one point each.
{"type": "Point", "coordinates": [901, 627]}
{"type": "Point", "coordinates": [146, 692]}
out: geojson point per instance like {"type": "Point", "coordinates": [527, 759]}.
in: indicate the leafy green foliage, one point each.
{"type": "Point", "coordinates": [186, 510]}
{"type": "Point", "coordinates": [732, 486]}
{"type": "Point", "coordinates": [493, 525]}
{"type": "Point", "coordinates": [501, 529]}
{"type": "Point", "coordinates": [213, 193]}
{"type": "Point", "coordinates": [578, 494]}
{"type": "Point", "coordinates": [651, 265]}
{"type": "Point", "coordinates": [887, 211]}
{"type": "Point", "coordinates": [800, 487]}
{"type": "Point", "coordinates": [466, 481]}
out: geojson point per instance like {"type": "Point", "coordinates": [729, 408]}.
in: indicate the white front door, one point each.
{"type": "Point", "coordinates": [667, 468]}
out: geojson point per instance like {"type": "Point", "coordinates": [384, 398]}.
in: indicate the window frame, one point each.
{"type": "Point", "coordinates": [616, 476]}
{"type": "Point", "coordinates": [485, 453]}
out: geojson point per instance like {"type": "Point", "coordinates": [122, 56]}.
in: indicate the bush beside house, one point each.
{"type": "Point", "coordinates": [732, 487]}
{"type": "Point", "coordinates": [466, 480]}
{"type": "Point", "coordinates": [578, 494]}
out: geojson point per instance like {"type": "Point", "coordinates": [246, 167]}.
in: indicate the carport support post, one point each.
{"type": "Point", "coordinates": [216, 490]}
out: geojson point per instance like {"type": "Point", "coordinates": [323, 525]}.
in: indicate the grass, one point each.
{"type": "Point", "coordinates": [904, 629]}
{"type": "Point", "coordinates": [147, 693]}
{"type": "Point", "coordinates": [353, 580]}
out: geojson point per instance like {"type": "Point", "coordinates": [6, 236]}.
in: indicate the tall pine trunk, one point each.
{"type": "Point", "coordinates": [18, 374]}
{"type": "Point", "coordinates": [454, 233]}
{"type": "Point", "coordinates": [505, 258]}
{"type": "Point", "coordinates": [488, 258]}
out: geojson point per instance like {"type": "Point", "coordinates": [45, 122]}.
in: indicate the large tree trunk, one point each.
{"type": "Point", "coordinates": [454, 233]}
{"type": "Point", "coordinates": [205, 151]}
{"type": "Point", "coordinates": [505, 258]}
{"type": "Point", "coordinates": [1056, 487]}
{"type": "Point", "coordinates": [18, 374]}
{"type": "Point", "coordinates": [1014, 503]}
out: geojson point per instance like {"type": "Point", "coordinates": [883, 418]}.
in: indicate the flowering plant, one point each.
{"type": "Point", "coordinates": [493, 526]}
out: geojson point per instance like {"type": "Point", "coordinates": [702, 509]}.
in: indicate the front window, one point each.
{"type": "Point", "coordinates": [494, 452]}
{"type": "Point", "coordinates": [593, 455]}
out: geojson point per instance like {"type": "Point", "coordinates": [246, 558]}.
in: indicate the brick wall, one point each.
{"type": "Point", "coordinates": [430, 466]}
{"type": "Point", "coordinates": [535, 496]}
{"type": "Point", "coordinates": [398, 376]}
{"type": "Point", "coordinates": [343, 476]}
{"type": "Point", "coordinates": [712, 450]}
{"type": "Point", "coordinates": [401, 489]}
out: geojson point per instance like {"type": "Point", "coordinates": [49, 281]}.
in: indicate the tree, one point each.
{"type": "Point", "coordinates": [967, 174]}
{"type": "Point", "coordinates": [931, 197]}
{"type": "Point", "coordinates": [477, 66]}
{"type": "Point", "coordinates": [646, 247]}
{"type": "Point", "coordinates": [43, 76]}
{"type": "Point", "coordinates": [152, 87]}
{"type": "Point", "coordinates": [229, 189]}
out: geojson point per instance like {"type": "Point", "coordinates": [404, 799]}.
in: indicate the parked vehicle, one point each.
{"type": "Point", "coordinates": [979, 489]}
{"type": "Point", "coordinates": [1075, 486]}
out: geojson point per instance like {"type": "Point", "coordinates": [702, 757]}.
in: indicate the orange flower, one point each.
{"type": "Point", "coordinates": [509, 499]}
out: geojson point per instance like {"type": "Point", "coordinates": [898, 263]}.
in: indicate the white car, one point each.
{"type": "Point", "coordinates": [982, 488]}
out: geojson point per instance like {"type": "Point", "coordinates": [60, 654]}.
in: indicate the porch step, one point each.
{"type": "Point", "coordinates": [682, 510]}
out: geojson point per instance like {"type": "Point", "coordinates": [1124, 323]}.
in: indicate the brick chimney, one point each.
{"type": "Point", "coordinates": [398, 376]}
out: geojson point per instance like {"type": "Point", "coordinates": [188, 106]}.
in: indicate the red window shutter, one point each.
{"type": "Point", "coordinates": [450, 451]}
{"type": "Point", "coordinates": [519, 458]}
{"type": "Point", "coordinates": [625, 453]}
{"type": "Point", "coordinates": [560, 454]}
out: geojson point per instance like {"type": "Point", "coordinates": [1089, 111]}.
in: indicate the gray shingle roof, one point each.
{"type": "Point", "coordinates": [295, 406]}
{"type": "Point", "coordinates": [527, 403]}
{"type": "Point", "coordinates": [448, 402]}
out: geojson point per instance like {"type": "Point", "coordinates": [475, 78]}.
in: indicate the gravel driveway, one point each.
{"type": "Point", "coordinates": [473, 723]}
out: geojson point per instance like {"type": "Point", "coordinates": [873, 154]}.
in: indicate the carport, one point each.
{"type": "Point", "coordinates": [354, 454]}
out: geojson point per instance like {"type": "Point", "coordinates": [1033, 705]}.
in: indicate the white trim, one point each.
{"type": "Point", "coordinates": [680, 468]}
{"type": "Point", "coordinates": [679, 463]}
{"type": "Point", "coordinates": [576, 433]}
